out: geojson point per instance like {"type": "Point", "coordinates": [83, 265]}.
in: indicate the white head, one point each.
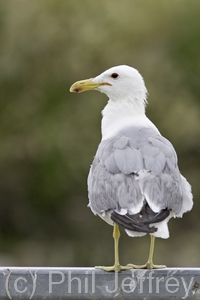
{"type": "Point", "coordinates": [118, 83]}
{"type": "Point", "coordinates": [127, 97]}
{"type": "Point", "coordinates": [123, 82]}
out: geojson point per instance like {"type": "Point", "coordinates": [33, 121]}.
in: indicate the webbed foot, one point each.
{"type": "Point", "coordinates": [148, 265]}
{"type": "Point", "coordinates": [116, 268]}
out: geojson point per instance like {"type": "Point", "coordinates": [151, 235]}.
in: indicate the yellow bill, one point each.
{"type": "Point", "coordinates": [86, 85]}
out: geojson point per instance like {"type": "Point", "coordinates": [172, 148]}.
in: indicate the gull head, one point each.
{"type": "Point", "coordinates": [118, 83]}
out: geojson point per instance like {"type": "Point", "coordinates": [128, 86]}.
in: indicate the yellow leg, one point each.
{"type": "Point", "coordinates": [116, 267]}
{"type": "Point", "coordinates": [150, 264]}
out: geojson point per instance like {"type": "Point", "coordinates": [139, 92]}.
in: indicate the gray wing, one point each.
{"type": "Point", "coordinates": [136, 165]}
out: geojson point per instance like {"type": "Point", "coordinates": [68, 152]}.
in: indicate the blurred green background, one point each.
{"type": "Point", "coordinates": [49, 137]}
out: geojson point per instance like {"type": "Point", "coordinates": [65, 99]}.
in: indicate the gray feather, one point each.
{"type": "Point", "coordinates": [135, 165]}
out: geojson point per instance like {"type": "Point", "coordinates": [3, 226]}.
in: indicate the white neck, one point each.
{"type": "Point", "coordinates": [119, 114]}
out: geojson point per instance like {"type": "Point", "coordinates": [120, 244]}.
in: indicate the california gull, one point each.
{"type": "Point", "coordinates": [134, 180]}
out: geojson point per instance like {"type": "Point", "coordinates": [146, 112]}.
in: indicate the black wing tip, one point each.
{"type": "Point", "coordinates": [140, 222]}
{"type": "Point", "coordinates": [125, 222]}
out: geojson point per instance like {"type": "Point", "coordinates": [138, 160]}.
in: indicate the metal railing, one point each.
{"type": "Point", "coordinates": [89, 283]}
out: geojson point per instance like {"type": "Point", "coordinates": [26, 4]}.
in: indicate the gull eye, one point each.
{"type": "Point", "coordinates": [114, 75]}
